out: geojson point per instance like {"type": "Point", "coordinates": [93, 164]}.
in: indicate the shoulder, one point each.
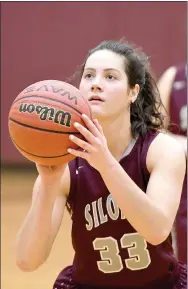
{"type": "Point", "coordinates": [168, 76]}
{"type": "Point", "coordinates": [165, 84]}
{"type": "Point", "coordinates": [165, 150]}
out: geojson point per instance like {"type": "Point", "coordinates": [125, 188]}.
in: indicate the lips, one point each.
{"type": "Point", "coordinates": [96, 98]}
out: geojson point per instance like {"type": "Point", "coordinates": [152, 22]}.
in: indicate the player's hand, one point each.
{"type": "Point", "coordinates": [50, 174]}
{"type": "Point", "coordinates": [94, 149]}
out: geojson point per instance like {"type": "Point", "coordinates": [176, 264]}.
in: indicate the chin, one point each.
{"type": "Point", "coordinates": [99, 115]}
{"type": "Point", "coordinates": [96, 112]}
{"type": "Point", "coordinates": [99, 112]}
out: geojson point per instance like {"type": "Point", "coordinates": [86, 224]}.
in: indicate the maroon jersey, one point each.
{"type": "Point", "coordinates": [178, 102]}
{"type": "Point", "coordinates": [108, 250]}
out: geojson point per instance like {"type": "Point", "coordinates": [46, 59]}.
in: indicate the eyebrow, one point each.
{"type": "Point", "coordinates": [106, 69]}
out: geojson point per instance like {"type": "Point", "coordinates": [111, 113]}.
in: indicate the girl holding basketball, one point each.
{"type": "Point", "coordinates": [123, 188]}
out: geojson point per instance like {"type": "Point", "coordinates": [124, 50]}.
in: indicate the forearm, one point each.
{"type": "Point", "coordinates": [33, 239]}
{"type": "Point", "coordinates": [146, 218]}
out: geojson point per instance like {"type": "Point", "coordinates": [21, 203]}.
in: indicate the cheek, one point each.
{"type": "Point", "coordinates": [83, 87]}
{"type": "Point", "coordinates": [119, 94]}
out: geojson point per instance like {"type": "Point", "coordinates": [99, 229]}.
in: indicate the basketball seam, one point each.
{"type": "Point", "coordinates": [42, 129]}
{"type": "Point", "coordinates": [45, 97]}
{"type": "Point", "coordinates": [45, 157]}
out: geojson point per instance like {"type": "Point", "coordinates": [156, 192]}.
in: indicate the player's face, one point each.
{"type": "Point", "coordinates": [104, 78]}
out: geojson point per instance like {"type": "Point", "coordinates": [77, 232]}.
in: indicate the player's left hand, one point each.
{"type": "Point", "coordinates": [95, 149]}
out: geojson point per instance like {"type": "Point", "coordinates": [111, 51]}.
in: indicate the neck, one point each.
{"type": "Point", "coordinates": [117, 139]}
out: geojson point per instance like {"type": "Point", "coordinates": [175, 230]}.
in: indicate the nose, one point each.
{"type": "Point", "coordinates": [96, 85]}
{"type": "Point", "coordinates": [95, 88]}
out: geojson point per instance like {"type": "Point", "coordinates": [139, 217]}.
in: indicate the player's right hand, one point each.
{"type": "Point", "coordinates": [51, 174]}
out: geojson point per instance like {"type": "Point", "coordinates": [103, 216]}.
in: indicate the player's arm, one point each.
{"type": "Point", "coordinates": [152, 213]}
{"type": "Point", "coordinates": [165, 88]}
{"type": "Point", "coordinates": [41, 225]}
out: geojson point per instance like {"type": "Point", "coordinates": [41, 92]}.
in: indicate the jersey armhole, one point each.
{"type": "Point", "coordinates": [147, 142]}
{"type": "Point", "coordinates": [73, 165]}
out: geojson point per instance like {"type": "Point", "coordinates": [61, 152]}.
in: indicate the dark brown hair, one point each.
{"type": "Point", "coordinates": [145, 111]}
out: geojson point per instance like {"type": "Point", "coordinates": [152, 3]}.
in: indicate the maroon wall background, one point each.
{"type": "Point", "coordinates": [47, 40]}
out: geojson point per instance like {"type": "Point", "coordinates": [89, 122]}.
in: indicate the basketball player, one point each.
{"type": "Point", "coordinates": [173, 90]}
{"type": "Point", "coordinates": [123, 189]}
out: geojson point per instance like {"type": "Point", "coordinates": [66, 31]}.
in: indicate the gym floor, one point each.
{"type": "Point", "coordinates": [16, 192]}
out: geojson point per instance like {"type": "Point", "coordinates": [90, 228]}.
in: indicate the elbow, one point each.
{"type": "Point", "coordinates": [26, 266]}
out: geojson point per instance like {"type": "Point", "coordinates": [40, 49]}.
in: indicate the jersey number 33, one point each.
{"type": "Point", "coordinates": [111, 261]}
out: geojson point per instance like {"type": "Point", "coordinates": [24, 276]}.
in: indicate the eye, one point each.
{"type": "Point", "coordinates": [111, 77]}
{"type": "Point", "coordinates": [88, 76]}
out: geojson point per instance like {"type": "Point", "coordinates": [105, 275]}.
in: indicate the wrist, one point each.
{"type": "Point", "coordinates": [50, 187]}
{"type": "Point", "coordinates": [109, 165]}
{"type": "Point", "coordinates": [49, 181]}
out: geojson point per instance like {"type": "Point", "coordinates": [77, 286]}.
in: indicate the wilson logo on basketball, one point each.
{"type": "Point", "coordinates": [49, 113]}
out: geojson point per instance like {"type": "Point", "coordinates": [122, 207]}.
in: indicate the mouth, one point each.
{"type": "Point", "coordinates": [95, 99]}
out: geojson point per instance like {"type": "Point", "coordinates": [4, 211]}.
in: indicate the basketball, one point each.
{"type": "Point", "coordinates": [41, 119]}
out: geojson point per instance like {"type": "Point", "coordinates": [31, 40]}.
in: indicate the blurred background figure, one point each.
{"type": "Point", "coordinates": [173, 90]}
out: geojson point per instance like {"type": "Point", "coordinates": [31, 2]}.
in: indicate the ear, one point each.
{"type": "Point", "coordinates": [135, 92]}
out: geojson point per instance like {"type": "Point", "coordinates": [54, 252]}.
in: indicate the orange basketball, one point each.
{"type": "Point", "coordinates": [41, 119]}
